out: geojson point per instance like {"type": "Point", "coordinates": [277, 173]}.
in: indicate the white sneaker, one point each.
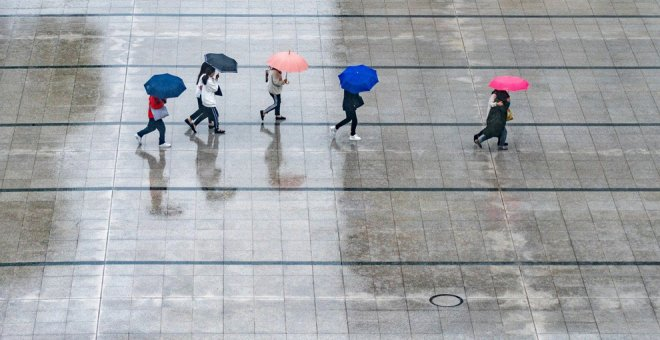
{"type": "Point", "coordinates": [165, 145]}
{"type": "Point", "coordinates": [354, 137]}
{"type": "Point", "coordinates": [138, 139]}
{"type": "Point", "coordinates": [333, 130]}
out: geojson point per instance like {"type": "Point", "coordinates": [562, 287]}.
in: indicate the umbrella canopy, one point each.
{"type": "Point", "coordinates": [221, 62]}
{"type": "Point", "coordinates": [358, 78]}
{"type": "Point", "coordinates": [509, 83]}
{"type": "Point", "coordinates": [288, 62]}
{"type": "Point", "coordinates": [164, 86]}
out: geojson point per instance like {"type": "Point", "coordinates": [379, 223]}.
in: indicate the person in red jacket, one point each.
{"type": "Point", "coordinates": [154, 103]}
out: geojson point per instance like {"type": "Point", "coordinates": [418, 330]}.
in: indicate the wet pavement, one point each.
{"type": "Point", "coordinates": [280, 231]}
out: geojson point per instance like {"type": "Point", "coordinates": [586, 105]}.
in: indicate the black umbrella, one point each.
{"type": "Point", "coordinates": [221, 62]}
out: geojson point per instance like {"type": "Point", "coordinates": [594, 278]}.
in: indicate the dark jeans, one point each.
{"type": "Point", "coordinates": [200, 110]}
{"type": "Point", "coordinates": [351, 116]}
{"type": "Point", "coordinates": [277, 101]}
{"type": "Point", "coordinates": [154, 125]}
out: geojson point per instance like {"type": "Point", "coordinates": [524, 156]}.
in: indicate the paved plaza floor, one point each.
{"type": "Point", "coordinates": [279, 231]}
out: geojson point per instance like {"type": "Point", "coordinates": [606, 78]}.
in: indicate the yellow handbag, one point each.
{"type": "Point", "coordinates": [509, 115]}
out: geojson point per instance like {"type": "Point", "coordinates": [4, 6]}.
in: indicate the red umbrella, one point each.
{"type": "Point", "coordinates": [509, 83]}
{"type": "Point", "coordinates": [288, 62]}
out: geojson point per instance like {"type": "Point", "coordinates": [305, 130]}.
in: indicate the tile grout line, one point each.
{"type": "Point", "coordinates": [347, 16]}
{"type": "Point", "coordinates": [319, 123]}
{"type": "Point", "coordinates": [522, 263]}
{"type": "Point", "coordinates": [340, 67]}
{"type": "Point", "coordinates": [333, 189]}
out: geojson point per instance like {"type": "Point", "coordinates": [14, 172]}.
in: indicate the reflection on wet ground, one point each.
{"type": "Point", "coordinates": [280, 230]}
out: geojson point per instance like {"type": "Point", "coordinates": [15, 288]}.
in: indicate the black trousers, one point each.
{"type": "Point", "coordinates": [277, 102]}
{"type": "Point", "coordinates": [154, 125]}
{"type": "Point", "coordinates": [480, 133]}
{"type": "Point", "coordinates": [200, 110]}
{"type": "Point", "coordinates": [211, 113]}
{"type": "Point", "coordinates": [351, 116]}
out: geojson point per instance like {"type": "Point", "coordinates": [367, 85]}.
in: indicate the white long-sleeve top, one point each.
{"type": "Point", "coordinates": [198, 87]}
{"type": "Point", "coordinates": [491, 101]}
{"type": "Point", "coordinates": [208, 92]}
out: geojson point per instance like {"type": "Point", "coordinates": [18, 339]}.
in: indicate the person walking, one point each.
{"type": "Point", "coordinates": [495, 125]}
{"type": "Point", "coordinates": [275, 83]}
{"type": "Point", "coordinates": [206, 68]}
{"type": "Point", "coordinates": [153, 124]}
{"type": "Point", "coordinates": [495, 97]}
{"type": "Point", "coordinates": [211, 87]}
{"type": "Point", "coordinates": [350, 104]}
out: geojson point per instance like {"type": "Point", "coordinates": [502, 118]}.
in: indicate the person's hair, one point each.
{"type": "Point", "coordinates": [202, 70]}
{"type": "Point", "coordinates": [209, 72]}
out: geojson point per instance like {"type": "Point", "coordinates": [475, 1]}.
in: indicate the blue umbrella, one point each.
{"type": "Point", "coordinates": [164, 86]}
{"type": "Point", "coordinates": [358, 78]}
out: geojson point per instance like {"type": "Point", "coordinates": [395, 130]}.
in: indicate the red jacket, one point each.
{"type": "Point", "coordinates": [155, 103]}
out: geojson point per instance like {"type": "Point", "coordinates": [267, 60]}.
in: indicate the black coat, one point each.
{"type": "Point", "coordinates": [351, 101]}
{"type": "Point", "coordinates": [496, 121]}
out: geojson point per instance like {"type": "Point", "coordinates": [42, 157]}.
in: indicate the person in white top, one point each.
{"type": "Point", "coordinates": [198, 115]}
{"type": "Point", "coordinates": [211, 87]}
{"type": "Point", "coordinates": [275, 83]}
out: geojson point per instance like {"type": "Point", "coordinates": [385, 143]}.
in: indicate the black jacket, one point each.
{"type": "Point", "coordinates": [351, 101]}
{"type": "Point", "coordinates": [496, 121]}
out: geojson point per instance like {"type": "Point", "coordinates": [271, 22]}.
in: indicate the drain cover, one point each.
{"type": "Point", "coordinates": [446, 300]}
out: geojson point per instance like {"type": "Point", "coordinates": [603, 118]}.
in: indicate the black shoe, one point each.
{"type": "Point", "coordinates": [211, 127]}
{"type": "Point", "coordinates": [219, 131]}
{"type": "Point", "coordinates": [262, 114]}
{"type": "Point", "coordinates": [191, 125]}
{"type": "Point", "coordinates": [476, 141]}
{"type": "Point", "coordinates": [280, 118]}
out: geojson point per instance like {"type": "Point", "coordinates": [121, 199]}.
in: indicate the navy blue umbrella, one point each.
{"type": "Point", "coordinates": [164, 86]}
{"type": "Point", "coordinates": [358, 78]}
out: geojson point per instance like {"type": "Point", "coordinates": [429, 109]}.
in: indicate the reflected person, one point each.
{"type": "Point", "coordinates": [273, 155]}
{"type": "Point", "coordinates": [208, 174]}
{"type": "Point", "coordinates": [156, 179]}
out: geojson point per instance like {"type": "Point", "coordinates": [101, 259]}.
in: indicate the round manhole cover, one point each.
{"type": "Point", "coordinates": [446, 300]}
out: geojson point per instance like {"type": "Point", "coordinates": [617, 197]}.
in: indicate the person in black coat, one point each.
{"type": "Point", "coordinates": [351, 102]}
{"type": "Point", "coordinates": [495, 125]}
{"type": "Point", "coordinates": [495, 96]}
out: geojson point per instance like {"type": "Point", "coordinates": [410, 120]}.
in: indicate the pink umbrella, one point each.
{"type": "Point", "coordinates": [509, 83]}
{"type": "Point", "coordinates": [288, 62]}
